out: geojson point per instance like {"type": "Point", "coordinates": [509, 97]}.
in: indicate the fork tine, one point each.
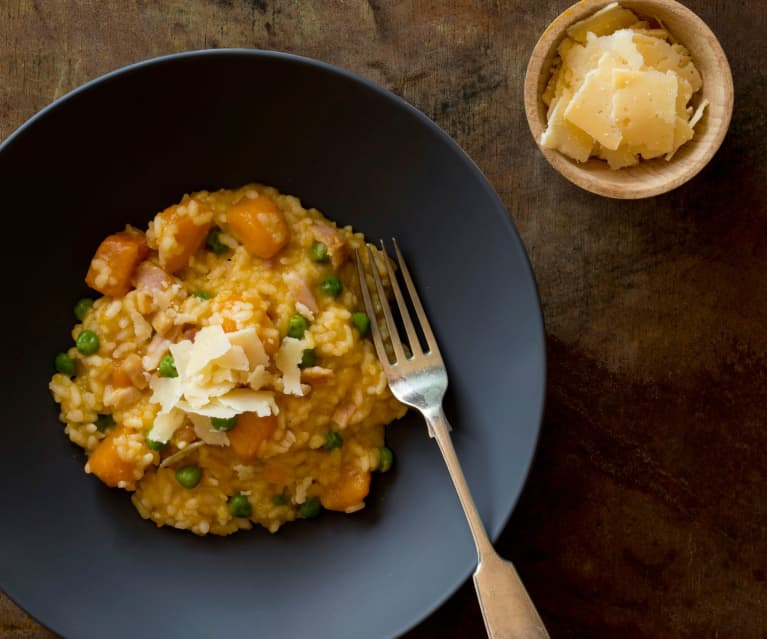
{"type": "Point", "coordinates": [396, 342]}
{"type": "Point", "coordinates": [371, 311]}
{"type": "Point", "coordinates": [431, 342]}
{"type": "Point", "coordinates": [412, 336]}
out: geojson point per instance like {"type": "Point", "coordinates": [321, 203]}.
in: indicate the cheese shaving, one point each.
{"type": "Point", "coordinates": [165, 424]}
{"type": "Point", "coordinates": [210, 343]}
{"type": "Point", "coordinates": [288, 359]}
{"type": "Point", "coordinates": [212, 409]}
{"type": "Point", "coordinates": [205, 431]}
{"type": "Point", "coordinates": [699, 112]}
{"type": "Point", "coordinates": [181, 353]}
{"type": "Point", "coordinates": [166, 391]}
{"type": "Point", "coordinates": [234, 359]}
{"type": "Point", "coordinates": [248, 340]}
{"type": "Point", "coordinates": [211, 373]}
{"type": "Point", "coordinates": [245, 400]}
{"type": "Point", "coordinates": [259, 378]}
{"type": "Point", "coordinates": [620, 91]}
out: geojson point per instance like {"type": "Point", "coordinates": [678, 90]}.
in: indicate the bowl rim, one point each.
{"type": "Point", "coordinates": [539, 322]}
{"type": "Point", "coordinates": [577, 174]}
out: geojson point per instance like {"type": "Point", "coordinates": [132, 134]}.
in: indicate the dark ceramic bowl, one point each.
{"type": "Point", "coordinates": [74, 553]}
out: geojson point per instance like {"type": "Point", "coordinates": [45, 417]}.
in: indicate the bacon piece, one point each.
{"type": "Point", "coordinates": [299, 287]}
{"type": "Point", "coordinates": [154, 352]}
{"type": "Point", "coordinates": [338, 249]}
{"type": "Point", "coordinates": [343, 414]}
{"type": "Point", "coordinates": [316, 375]}
{"type": "Point", "coordinates": [151, 278]}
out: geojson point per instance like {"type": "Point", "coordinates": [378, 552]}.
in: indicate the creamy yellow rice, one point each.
{"type": "Point", "coordinates": [345, 392]}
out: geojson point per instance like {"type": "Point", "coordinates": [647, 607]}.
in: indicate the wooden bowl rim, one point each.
{"type": "Point", "coordinates": [656, 178]}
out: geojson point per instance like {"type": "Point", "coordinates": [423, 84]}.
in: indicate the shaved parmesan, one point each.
{"type": "Point", "coordinates": [288, 359]}
{"type": "Point", "coordinates": [591, 107]}
{"type": "Point", "coordinates": [699, 112]}
{"type": "Point", "coordinates": [210, 343]}
{"type": "Point", "coordinates": [166, 391]}
{"type": "Point", "coordinates": [259, 378]}
{"type": "Point", "coordinates": [644, 105]}
{"type": "Point", "coordinates": [621, 44]}
{"type": "Point", "coordinates": [245, 400]}
{"type": "Point", "coordinates": [181, 353]}
{"type": "Point", "coordinates": [212, 408]}
{"type": "Point", "coordinates": [206, 432]}
{"type": "Point", "coordinates": [165, 424]}
{"type": "Point", "coordinates": [578, 61]}
{"type": "Point", "coordinates": [234, 359]}
{"type": "Point", "coordinates": [620, 90]}
{"type": "Point", "coordinates": [564, 136]}
{"type": "Point", "coordinates": [682, 132]}
{"type": "Point", "coordinates": [248, 340]}
{"type": "Point", "coordinates": [619, 158]}
{"type": "Point", "coordinates": [683, 95]}
{"type": "Point", "coordinates": [211, 373]}
{"type": "Point", "coordinates": [199, 393]}
{"type": "Point", "coordinates": [603, 22]}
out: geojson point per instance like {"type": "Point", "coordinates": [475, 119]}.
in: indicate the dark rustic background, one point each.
{"type": "Point", "coordinates": [645, 514]}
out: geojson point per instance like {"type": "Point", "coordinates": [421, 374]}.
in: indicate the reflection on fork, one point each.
{"type": "Point", "coordinates": [417, 377]}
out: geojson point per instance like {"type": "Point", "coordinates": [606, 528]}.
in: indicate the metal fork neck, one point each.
{"type": "Point", "coordinates": [440, 427]}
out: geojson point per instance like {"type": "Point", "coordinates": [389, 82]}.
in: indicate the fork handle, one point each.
{"type": "Point", "coordinates": [506, 607]}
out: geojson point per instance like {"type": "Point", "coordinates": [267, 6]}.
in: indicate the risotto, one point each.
{"type": "Point", "coordinates": [225, 377]}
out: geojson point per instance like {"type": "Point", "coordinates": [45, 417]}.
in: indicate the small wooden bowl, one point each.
{"type": "Point", "coordinates": [649, 177]}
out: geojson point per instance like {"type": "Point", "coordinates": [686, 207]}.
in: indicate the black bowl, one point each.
{"type": "Point", "coordinates": [75, 554]}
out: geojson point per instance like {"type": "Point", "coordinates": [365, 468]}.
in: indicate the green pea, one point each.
{"type": "Point", "coordinates": [239, 506]}
{"type": "Point", "coordinates": [154, 444]}
{"type": "Point", "coordinates": [167, 367]}
{"type": "Point", "coordinates": [362, 322]}
{"type": "Point", "coordinates": [331, 286]}
{"type": "Point", "coordinates": [332, 440]}
{"type": "Point", "coordinates": [213, 242]}
{"type": "Point", "coordinates": [297, 326]}
{"type": "Point", "coordinates": [65, 364]}
{"type": "Point", "coordinates": [87, 342]}
{"type": "Point", "coordinates": [308, 358]}
{"type": "Point", "coordinates": [280, 500]}
{"type": "Point", "coordinates": [319, 252]}
{"type": "Point", "coordinates": [104, 421]}
{"type": "Point", "coordinates": [203, 295]}
{"type": "Point", "coordinates": [189, 476]}
{"type": "Point", "coordinates": [387, 459]}
{"type": "Point", "coordinates": [310, 508]}
{"type": "Point", "coordinates": [82, 307]}
{"type": "Point", "coordinates": [223, 423]}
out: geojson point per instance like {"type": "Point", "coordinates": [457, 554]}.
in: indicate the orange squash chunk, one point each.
{"type": "Point", "coordinates": [107, 465]}
{"type": "Point", "coordinates": [120, 377]}
{"type": "Point", "coordinates": [115, 261]}
{"type": "Point", "coordinates": [188, 231]}
{"type": "Point", "coordinates": [260, 225]}
{"type": "Point", "coordinates": [350, 489]}
{"type": "Point", "coordinates": [250, 432]}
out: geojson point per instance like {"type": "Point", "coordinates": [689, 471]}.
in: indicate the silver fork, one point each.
{"type": "Point", "coordinates": [419, 379]}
